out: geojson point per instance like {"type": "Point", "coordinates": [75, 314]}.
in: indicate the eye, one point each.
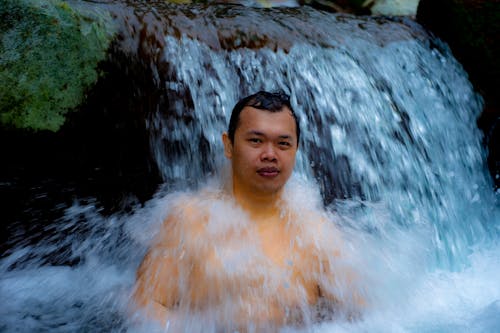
{"type": "Point", "coordinates": [284, 144]}
{"type": "Point", "coordinates": [255, 140]}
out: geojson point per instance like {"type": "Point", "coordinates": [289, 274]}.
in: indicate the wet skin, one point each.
{"type": "Point", "coordinates": [262, 155]}
{"type": "Point", "coordinates": [262, 158]}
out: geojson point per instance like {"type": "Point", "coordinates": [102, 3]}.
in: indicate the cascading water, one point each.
{"type": "Point", "coordinates": [389, 139]}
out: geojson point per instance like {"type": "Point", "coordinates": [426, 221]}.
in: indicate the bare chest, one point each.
{"type": "Point", "coordinates": [269, 265]}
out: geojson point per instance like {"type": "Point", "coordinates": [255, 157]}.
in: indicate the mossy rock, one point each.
{"type": "Point", "coordinates": [49, 54]}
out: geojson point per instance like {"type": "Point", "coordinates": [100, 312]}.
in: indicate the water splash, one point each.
{"type": "Point", "coordinates": [389, 136]}
{"type": "Point", "coordinates": [380, 124]}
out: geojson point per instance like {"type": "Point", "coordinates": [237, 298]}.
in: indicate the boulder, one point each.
{"type": "Point", "coordinates": [49, 54]}
{"type": "Point", "coordinates": [471, 28]}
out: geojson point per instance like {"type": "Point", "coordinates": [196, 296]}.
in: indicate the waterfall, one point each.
{"type": "Point", "coordinates": [393, 123]}
{"type": "Point", "coordinates": [389, 139]}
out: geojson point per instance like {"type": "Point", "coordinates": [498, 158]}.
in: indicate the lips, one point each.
{"type": "Point", "coordinates": [268, 172]}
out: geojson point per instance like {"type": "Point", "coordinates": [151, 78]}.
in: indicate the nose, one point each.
{"type": "Point", "coordinates": [268, 153]}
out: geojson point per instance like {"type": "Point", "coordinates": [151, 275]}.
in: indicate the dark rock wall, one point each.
{"type": "Point", "coordinates": [472, 29]}
{"type": "Point", "coordinates": [102, 152]}
{"type": "Point", "coordinates": [100, 155]}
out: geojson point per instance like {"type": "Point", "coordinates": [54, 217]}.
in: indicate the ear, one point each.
{"type": "Point", "coordinates": [228, 145]}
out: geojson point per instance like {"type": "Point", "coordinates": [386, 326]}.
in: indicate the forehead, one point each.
{"type": "Point", "coordinates": [267, 122]}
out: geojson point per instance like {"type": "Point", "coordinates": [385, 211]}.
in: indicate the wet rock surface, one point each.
{"type": "Point", "coordinates": [103, 151]}
{"type": "Point", "coordinates": [472, 29]}
{"type": "Point", "coordinates": [230, 27]}
{"type": "Point", "coordinates": [101, 155]}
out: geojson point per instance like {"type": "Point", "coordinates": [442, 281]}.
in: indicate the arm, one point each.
{"type": "Point", "coordinates": [164, 276]}
{"type": "Point", "coordinates": [156, 289]}
{"type": "Point", "coordinates": [155, 292]}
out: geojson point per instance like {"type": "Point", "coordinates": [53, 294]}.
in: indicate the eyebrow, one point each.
{"type": "Point", "coordinates": [255, 133]}
{"type": "Point", "coordinates": [283, 136]}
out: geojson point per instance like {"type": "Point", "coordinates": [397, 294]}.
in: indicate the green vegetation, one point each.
{"type": "Point", "coordinates": [48, 59]}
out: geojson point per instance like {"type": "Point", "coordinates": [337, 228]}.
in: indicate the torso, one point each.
{"type": "Point", "coordinates": [261, 273]}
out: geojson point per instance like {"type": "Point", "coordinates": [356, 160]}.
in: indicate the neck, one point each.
{"type": "Point", "coordinates": [260, 206]}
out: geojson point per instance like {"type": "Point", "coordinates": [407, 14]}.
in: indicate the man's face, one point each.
{"type": "Point", "coordinates": [263, 151]}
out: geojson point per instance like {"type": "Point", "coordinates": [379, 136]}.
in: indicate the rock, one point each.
{"type": "Point", "coordinates": [47, 70]}
{"type": "Point", "coordinates": [395, 7]}
{"type": "Point", "coordinates": [360, 7]}
{"type": "Point", "coordinates": [472, 28]}
{"type": "Point", "coordinates": [99, 157]}
{"type": "Point", "coordinates": [79, 134]}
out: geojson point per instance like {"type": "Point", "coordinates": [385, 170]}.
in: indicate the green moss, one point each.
{"type": "Point", "coordinates": [48, 59]}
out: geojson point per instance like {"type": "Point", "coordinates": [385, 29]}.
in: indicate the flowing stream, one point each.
{"type": "Point", "coordinates": [389, 140]}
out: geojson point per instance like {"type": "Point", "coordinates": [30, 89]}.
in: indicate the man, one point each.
{"type": "Point", "coordinates": [247, 258]}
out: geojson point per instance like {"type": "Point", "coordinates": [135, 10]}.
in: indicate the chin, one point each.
{"type": "Point", "coordinates": [270, 189]}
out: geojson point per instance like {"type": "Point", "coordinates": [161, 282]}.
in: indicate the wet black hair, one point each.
{"type": "Point", "coordinates": [263, 100]}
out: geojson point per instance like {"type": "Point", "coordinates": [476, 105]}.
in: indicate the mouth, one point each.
{"type": "Point", "coordinates": [268, 172]}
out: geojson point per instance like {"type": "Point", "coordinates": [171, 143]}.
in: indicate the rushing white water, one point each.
{"type": "Point", "coordinates": [389, 139]}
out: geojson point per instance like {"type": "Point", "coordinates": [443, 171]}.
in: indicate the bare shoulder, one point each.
{"type": "Point", "coordinates": [315, 226]}
{"type": "Point", "coordinates": [172, 253]}
{"type": "Point", "coordinates": [189, 216]}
